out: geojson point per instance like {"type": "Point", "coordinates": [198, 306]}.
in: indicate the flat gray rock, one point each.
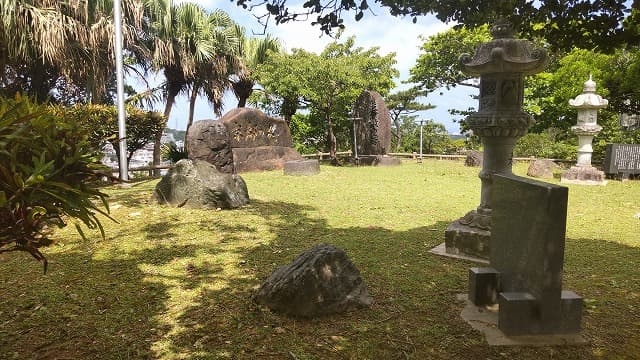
{"type": "Point", "coordinates": [320, 281]}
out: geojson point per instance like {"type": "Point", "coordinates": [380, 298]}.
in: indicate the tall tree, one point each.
{"type": "Point", "coordinates": [437, 65]}
{"type": "Point", "coordinates": [404, 103]}
{"type": "Point", "coordinates": [211, 77]}
{"type": "Point", "coordinates": [329, 83]}
{"type": "Point", "coordinates": [47, 44]}
{"type": "Point", "coordinates": [564, 23]}
{"type": "Point", "coordinates": [253, 52]}
{"type": "Point", "coordinates": [183, 43]}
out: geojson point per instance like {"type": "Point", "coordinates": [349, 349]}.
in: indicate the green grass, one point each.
{"type": "Point", "coordinates": [177, 283]}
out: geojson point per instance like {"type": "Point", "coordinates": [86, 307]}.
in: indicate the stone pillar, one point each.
{"type": "Point", "coordinates": [501, 64]}
{"type": "Point", "coordinates": [587, 104]}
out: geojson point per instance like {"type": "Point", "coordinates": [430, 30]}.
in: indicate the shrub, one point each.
{"type": "Point", "coordinates": [543, 146]}
{"type": "Point", "coordinates": [101, 124]}
{"type": "Point", "coordinates": [46, 163]}
{"type": "Point", "coordinates": [173, 152]}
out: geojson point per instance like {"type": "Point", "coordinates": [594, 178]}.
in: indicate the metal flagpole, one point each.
{"type": "Point", "coordinates": [421, 123]}
{"type": "Point", "coordinates": [122, 132]}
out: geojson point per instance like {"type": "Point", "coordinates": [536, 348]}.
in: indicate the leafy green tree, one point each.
{"type": "Point", "coordinates": [101, 124]}
{"type": "Point", "coordinates": [437, 65]}
{"type": "Point", "coordinates": [253, 52]}
{"type": "Point", "coordinates": [410, 132]}
{"type": "Point", "coordinates": [404, 102]}
{"type": "Point", "coordinates": [329, 83]}
{"type": "Point", "coordinates": [46, 164]}
{"type": "Point", "coordinates": [564, 23]}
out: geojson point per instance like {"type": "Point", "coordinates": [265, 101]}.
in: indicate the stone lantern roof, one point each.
{"type": "Point", "coordinates": [589, 99]}
{"type": "Point", "coordinates": [505, 54]}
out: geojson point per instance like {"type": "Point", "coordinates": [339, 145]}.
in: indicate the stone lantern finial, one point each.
{"type": "Point", "coordinates": [589, 86]}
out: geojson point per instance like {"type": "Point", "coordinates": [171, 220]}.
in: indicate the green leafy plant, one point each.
{"type": "Point", "coordinates": [101, 124]}
{"type": "Point", "coordinates": [173, 152]}
{"type": "Point", "coordinates": [46, 164]}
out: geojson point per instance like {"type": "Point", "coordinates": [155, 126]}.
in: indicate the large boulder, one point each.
{"type": "Point", "coordinates": [197, 184]}
{"type": "Point", "coordinates": [209, 140]}
{"type": "Point", "coordinates": [252, 128]}
{"type": "Point", "coordinates": [372, 124]}
{"type": "Point", "coordinates": [320, 281]}
{"type": "Point", "coordinates": [474, 158]}
{"type": "Point", "coordinates": [542, 168]}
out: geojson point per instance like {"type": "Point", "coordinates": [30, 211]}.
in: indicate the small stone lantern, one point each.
{"type": "Point", "coordinates": [501, 64]}
{"type": "Point", "coordinates": [587, 104]}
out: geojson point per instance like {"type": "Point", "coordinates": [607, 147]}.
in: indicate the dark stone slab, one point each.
{"type": "Point", "coordinates": [197, 184]}
{"type": "Point", "coordinates": [483, 286]}
{"type": "Point", "coordinates": [320, 281]}
{"type": "Point", "coordinates": [263, 158]}
{"type": "Point", "coordinates": [527, 249]}
{"type": "Point", "coordinates": [527, 242]}
{"type": "Point", "coordinates": [372, 124]}
{"type": "Point", "coordinates": [622, 159]}
{"type": "Point", "coordinates": [302, 167]}
{"type": "Point", "coordinates": [208, 140]}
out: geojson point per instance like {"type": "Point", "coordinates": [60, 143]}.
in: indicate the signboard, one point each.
{"type": "Point", "coordinates": [622, 159]}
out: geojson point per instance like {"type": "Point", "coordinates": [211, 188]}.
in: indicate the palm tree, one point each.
{"type": "Point", "coordinates": [211, 77]}
{"type": "Point", "coordinates": [253, 51]}
{"type": "Point", "coordinates": [44, 40]}
{"type": "Point", "coordinates": [182, 40]}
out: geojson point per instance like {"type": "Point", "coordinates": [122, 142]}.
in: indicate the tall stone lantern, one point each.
{"type": "Point", "coordinates": [500, 120]}
{"type": "Point", "coordinates": [587, 104]}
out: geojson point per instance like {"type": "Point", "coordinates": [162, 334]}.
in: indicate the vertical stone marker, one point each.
{"type": "Point", "coordinates": [527, 259]}
{"type": "Point", "coordinates": [501, 64]}
{"type": "Point", "coordinates": [587, 104]}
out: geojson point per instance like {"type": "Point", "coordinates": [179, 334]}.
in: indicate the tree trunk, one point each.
{"type": "Point", "coordinates": [157, 141]}
{"type": "Point", "coordinates": [192, 106]}
{"type": "Point", "coordinates": [396, 121]}
{"type": "Point", "coordinates": [331, 138]}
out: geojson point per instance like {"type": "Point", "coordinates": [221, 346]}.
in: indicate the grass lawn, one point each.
{"type": "Point", "coordinates": [172, 283]}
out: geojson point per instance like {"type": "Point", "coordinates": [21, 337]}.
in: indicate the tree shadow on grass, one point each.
{"type": "Point", "coordinates": [167, 301]}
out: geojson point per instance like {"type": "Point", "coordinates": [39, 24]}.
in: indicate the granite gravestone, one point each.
{"type": "Point", "coordinates": [622, 159]}
{"type": "Point", "coordinates": [526, 259]}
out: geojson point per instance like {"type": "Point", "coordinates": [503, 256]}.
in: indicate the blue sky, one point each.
{"type": "Point", "coordinates": [390, 34]}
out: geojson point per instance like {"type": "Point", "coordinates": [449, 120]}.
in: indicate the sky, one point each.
{"type": "Point", "coordinates": [389, 33]}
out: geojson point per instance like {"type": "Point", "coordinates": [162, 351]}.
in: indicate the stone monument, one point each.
{"type": "Point", "coordinates": [372, 130]}
{"type": "Point", "coordinates": [587, 104]}
{"type": "Point", "coordinates": [527, 259]}
{"type": "Point", "coordinates": [500, 120]}
{"type": "Point", "coordinates": [242, 140]}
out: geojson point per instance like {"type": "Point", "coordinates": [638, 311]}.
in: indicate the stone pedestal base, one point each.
{"type": "Point", "coordinates": [583, 175]}
{"type": "Point", "coordinates": [378, 160]}
{"type": "Point", "coordinates": [302, 167]}
{"type": "Point", "coordinates": [460, 238]}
